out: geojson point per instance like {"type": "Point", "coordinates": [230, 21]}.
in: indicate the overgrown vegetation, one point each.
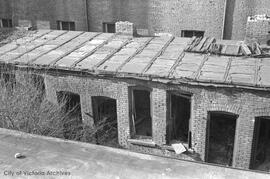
{"type": "Point", "coordinates": [23, 107]}
{"type": "Point", "coordinates": [9, 34]}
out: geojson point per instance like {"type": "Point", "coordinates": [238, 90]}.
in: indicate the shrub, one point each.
{"type": "Point", "coordinates": [23, 107]}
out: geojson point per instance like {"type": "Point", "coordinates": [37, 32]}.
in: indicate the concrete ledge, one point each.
{"type": "Point", "coordinates": [81, 160]}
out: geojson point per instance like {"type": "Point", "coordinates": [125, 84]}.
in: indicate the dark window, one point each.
{"type": "Point", "coordinates": [72, 123]}
{"type": "Point", "coordinates": [178, 119]}
{"type": "Point", "coordinates": [141, 119]}
{"type": "Point", "coordinates": [38, 82]}
{"type": "Point", "coordinates": [105, 120]}
{"type": "Point", "coordinates": [9, 80]}
{"type": "Point", "coordinates": [261, 144]}
{"type": "Point", "coordinates": [221, 136]}
{"type": "Point", "coordinates": [6, 23]}
{"type": "Point", "coordinates": [109, 27]}
{"type": "Point", "coordinates": [65, 25]}
{"type": "Point", "coordinates": [191, 33]}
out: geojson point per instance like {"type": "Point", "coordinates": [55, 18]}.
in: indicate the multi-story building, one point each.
{"type": "Point", "coordinates": [221, 19]}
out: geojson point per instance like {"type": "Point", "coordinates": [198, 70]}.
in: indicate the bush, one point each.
{"type": "Point", "coordinates": [23, 107]}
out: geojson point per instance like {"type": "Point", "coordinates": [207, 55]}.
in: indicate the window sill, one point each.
{"type": "Point", "coordinates": [142, 142]}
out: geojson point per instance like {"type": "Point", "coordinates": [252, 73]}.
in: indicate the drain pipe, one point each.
{"type": "Point", "coordinates": [224, 18]}
{"type": "Point", "coordinates": [87, 15]}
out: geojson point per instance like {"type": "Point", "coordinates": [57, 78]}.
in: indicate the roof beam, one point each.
{"type": "Point", "coordinates": [138, 51]}
{"type": "Point", "coordinates": [198, 73]}
{"type": "Point", "coordinates": [59, 45]}
{"type": "Point", "coordinates": [39, 36]}
{"type": "Point", "coordinates": [73, 49]}
{"type": "Point", "coordinates": [227, 70]}
{"type": "Point", "coordinates": [157, 55]}
{"type": "Point", "coordinates": [93, 51]}
{"type": "Point", "coordinates": [36, 47]}
{"type": "Point", "coordinates": [110, 55]}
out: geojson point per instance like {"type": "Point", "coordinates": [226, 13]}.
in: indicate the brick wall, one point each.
{"type": "Point", "coordinates": [258, 28]}
{"type": "Point", "coordinates": [149, 16]}
{"type": "Point", "coordinates": [174, 16]}
{"type": "Point", "coordinates": [170, 16]}
{"type": "Point", "coordinates": [247, 104]}
{"type": "Point", "coordinates": [46, 10]}
{"type": "Point", "coordinates": [5, 9]}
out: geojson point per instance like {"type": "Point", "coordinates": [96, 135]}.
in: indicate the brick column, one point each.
{"type": "Point", "coordinates": [159, 110]}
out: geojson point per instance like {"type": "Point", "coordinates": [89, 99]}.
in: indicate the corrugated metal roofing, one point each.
{"type": "Point", "coordinates": [152, 57]}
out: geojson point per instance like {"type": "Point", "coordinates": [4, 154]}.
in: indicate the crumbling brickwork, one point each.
{"type": "Point", "coordinates": [246, 104]}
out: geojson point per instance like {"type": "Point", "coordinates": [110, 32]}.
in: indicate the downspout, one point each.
{"type": "Point", "coordinates": [224, 19]}
{"type": "Point", "coordinates": [87, 15]}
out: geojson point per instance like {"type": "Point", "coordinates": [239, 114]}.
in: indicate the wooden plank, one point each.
{"type": "Point", "coordinates": [158, 54]}
{"type": "Point", "coordinates": [59, 45]}
{"type": "Point", "coordinates": [36, 47]}
{"type": "Point", "coordinates": [73, 49]}
{"type": "Point", "coordinates": [93, 51]}
{"type": "Point", "coordinates": [139, 50]}
{"type": "Point", "coordinates": [110, 55]}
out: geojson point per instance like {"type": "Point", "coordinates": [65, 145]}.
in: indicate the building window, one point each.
{"type": "Point", "coordinates": [105, 120]}
{"type": "Point", "coordinates": [261, 144]}
{"type": "Point", "coordinates": [179, 109]}
{"type": "Point", "coordinates": [38, 83]}
{"type": "Point", "coordinates": [65, 25]}
{"type": "Point", "coordinates": [70, 102]}
{"type": "Point", "coordinates": [191, 33]}
{"type": "Point", "coordinates": [108, 27]}
{"type": "Point", "coordinates": [220, 137]}
{"type": "Point", "coordinates": [9, 80]}
{"type": "Point", "coordinates": [140, 116]}
{"type": "Point", "coordinates": [6, 23]}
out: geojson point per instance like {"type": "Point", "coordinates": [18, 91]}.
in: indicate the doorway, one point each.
{"type": "Point", "coordinates": [221, 136]}
{"type": "Point", "coordinates": [260, 158]}
{"type": "Point", "coordinates": [105, 120]}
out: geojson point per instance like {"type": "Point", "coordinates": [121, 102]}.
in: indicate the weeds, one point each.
{"type": "Point", "coordinates": [23, 107]}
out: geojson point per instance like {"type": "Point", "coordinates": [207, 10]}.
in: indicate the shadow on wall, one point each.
{"type": "Point", "coordinates": [228, 25]}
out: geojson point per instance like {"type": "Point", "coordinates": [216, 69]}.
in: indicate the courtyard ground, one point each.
{"type": "Point", "coordinates": [47, 157]}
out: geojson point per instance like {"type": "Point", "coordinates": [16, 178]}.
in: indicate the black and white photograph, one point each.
{"type": "Point", "coordinates": [134, 89]}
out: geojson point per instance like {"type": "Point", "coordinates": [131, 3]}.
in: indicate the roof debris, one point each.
{"type": "Point", "coordinates": [164, 58]}
{"type": "Point", "coordinates": [221, 47]}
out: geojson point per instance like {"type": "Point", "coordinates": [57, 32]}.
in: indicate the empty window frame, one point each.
{"type": "Point", "coordinates": [260, 156]}
{"type": "Point", "coordinates": [72, 124]}
{"type": "Point", "coordinates": [108, 27]}
{"type": "Point", "coordinates": [140, 116]}
{"type": "Point", "coordinates": [191, 33]}
{"type": "Point", "coordinates": [179, 112]}
{"type": "Point", "coordinates": [105, 120]}
{"type": "Point", "coordinates": [220, 137]}
{"type": "Point", "coordinates": [65, 25]}
{"type": "Point", "coordinates": [9, 80]}
{"type": "Point", "coordinates": [38, 83]}
{"type": "Point", "coordinates": [6, 23]}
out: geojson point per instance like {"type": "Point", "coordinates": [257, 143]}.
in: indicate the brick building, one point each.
{"type": "Point", "coordinates": [162, 89]}
{"type": "Point", "coordinates": [221, 19]}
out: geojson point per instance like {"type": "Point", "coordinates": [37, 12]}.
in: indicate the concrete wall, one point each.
{"type": "Point", "coordinates": [245, 103]}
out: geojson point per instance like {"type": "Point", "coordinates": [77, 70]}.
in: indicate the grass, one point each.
{"type": "Point", "coordinates": [23, 107]}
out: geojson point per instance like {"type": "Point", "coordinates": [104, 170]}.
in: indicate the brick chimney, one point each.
{"type": "Point", "coordinates": [125, 28]}
{"type": "Point", "coordinates": [258, 29]}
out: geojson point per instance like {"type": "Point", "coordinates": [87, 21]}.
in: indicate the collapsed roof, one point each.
{"type": "Point", "coordinates": [167, 59]}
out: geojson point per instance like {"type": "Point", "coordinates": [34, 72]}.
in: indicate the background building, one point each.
{"type": "Point", "coordinates": [222, 19]}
